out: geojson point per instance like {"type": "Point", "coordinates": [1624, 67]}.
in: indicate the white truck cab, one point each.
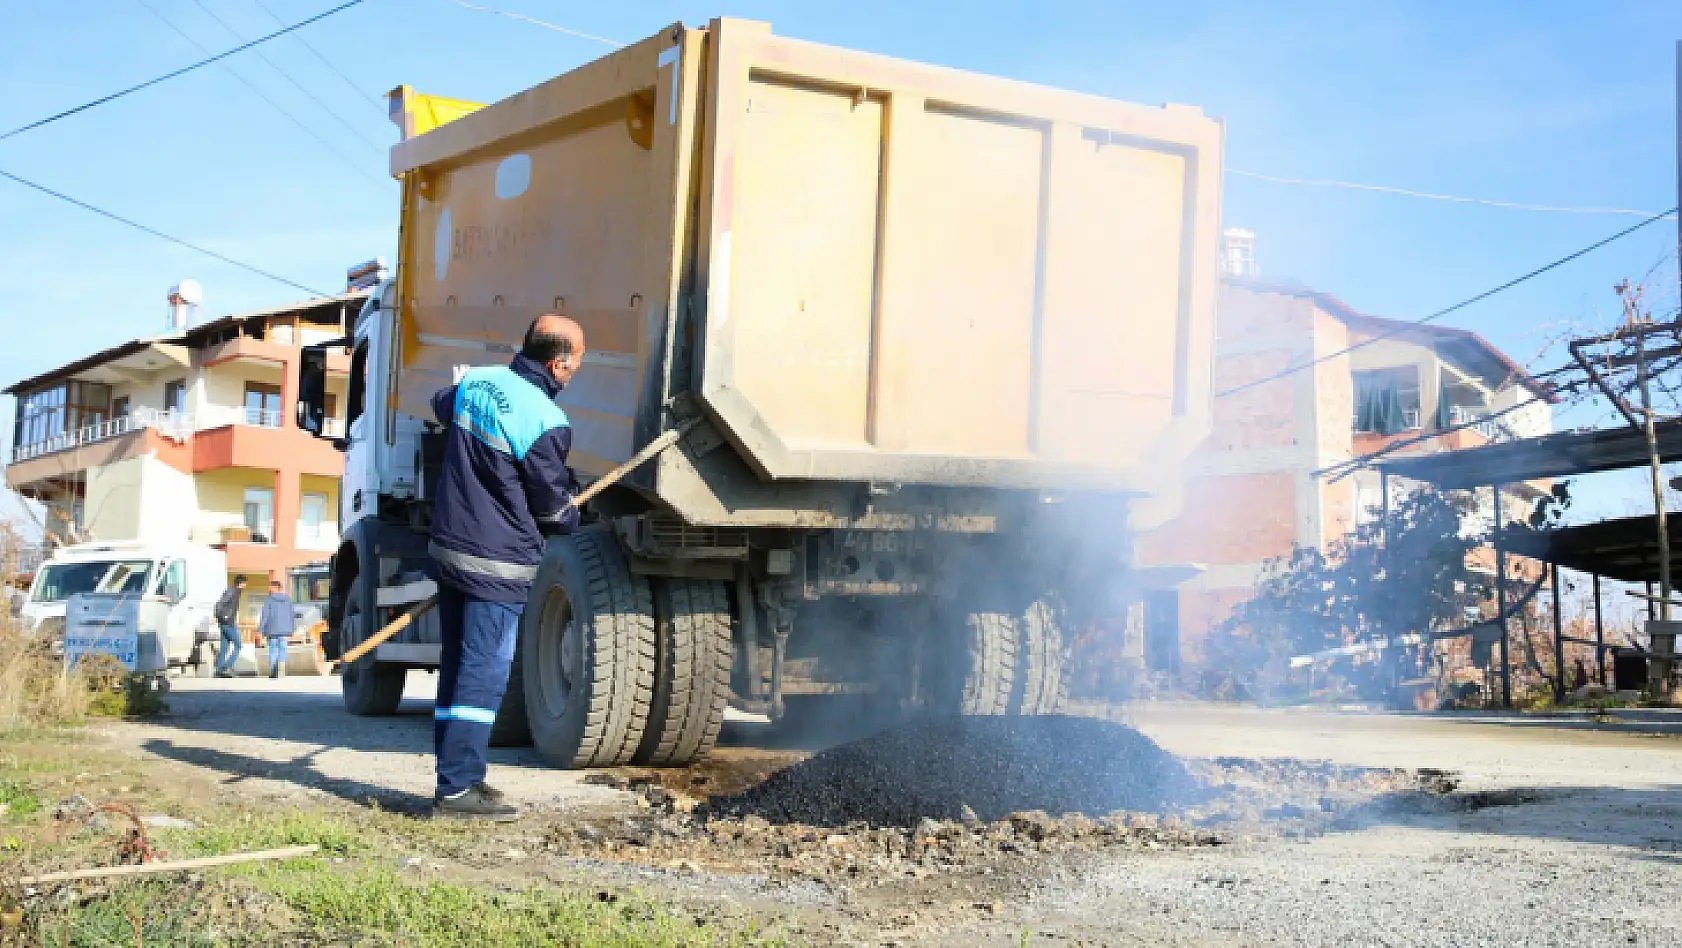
{"type": "Point", "coordinates": [186, 577]}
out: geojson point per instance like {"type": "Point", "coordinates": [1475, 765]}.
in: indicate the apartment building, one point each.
{"type": "Point", "coordinates": [1252, 491]}
{"type": "Point", "coordinates": [190, 436]}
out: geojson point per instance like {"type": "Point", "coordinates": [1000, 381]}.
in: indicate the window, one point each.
{"type": "Point", "coordinates": [331, 426]}
{"type": "Point", "coordinates": [259, 514]}
{"type": "Point", "coordinates": [262, 404]}
{"type": "Point", "coordinates": [1387, 400]}
{"type": "Point", "coordinates": [119, 407]}
{"type": "Point", "coordinates": [312, 518]}
{"type": "Point", "coordinates": [60, 581]}
{"type": "Point", "coordinates": [40, 417]}
{"type": "Point", "coordinates": [175, 396]}
{"type": "Point", "coordinates": [86, 403]}
{"type": "Point", "coordinates": [358, 384]}
{"type": "Point", "coordinates": [173, 584]}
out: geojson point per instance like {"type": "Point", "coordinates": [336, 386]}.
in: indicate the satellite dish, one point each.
{"type": "Point", "coordinates": [187, 291]}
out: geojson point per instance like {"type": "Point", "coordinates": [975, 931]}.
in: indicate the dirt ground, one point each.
{"type": "Point", "coordinates": [1558, 831]}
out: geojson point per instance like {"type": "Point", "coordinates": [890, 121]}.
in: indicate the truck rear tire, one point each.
{"type": "Point", "coordinates": [693, 657]}
{"type": "Point", "coordinates": [587, 666]}
{"type": "Point", "coordinates": [1043, 669]}
{"type": "Point", "coordinates": [370, 688]}
{"type": "Point", "coordinates": [999, 662]}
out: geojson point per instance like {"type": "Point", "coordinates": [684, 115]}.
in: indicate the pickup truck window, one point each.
{"type": "Point", "coordinates": [60, 581]}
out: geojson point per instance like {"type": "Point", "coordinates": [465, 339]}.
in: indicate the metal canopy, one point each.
{"type": "Point", "coordinates": [1563, 454]}
{"type": "Point", "coordinates": [1625, 549]}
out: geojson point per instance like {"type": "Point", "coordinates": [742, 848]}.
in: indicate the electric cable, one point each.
{"type": "Point", "coordinates": [179, 72]}
{"type": "Point", "coordinates": [158, 233]}
{"type": "Point", "coordinates": [536, 22]}
{"type": "Point", "coordinates": [299, 39]}
{"type": "Point", "coordinates": [349, 162]}
{"type": "Point", "coordinates": [1454, 198]}
{"type": "Point", "coordinates": [1486, 294]}
{"type": "Point", "coordinates": [378, 149]}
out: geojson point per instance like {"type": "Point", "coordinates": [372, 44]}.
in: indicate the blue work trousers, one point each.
{"type": "Point", "coordinates": [227, 651]}
{"type": "Point", "coordinates": [479, 638]}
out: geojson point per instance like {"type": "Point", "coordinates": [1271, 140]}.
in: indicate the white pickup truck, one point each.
{"type": "Point", "coordinates": [127, 589]}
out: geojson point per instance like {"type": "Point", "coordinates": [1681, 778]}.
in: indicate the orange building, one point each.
{"type": "Point", "coordinates": [190, 436]}
{"type": "Point", "coordinates": [1252, 492]}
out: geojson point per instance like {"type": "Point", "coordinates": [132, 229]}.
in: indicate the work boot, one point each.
{"type": "Point", "coordinates": [491, 793]}
{"type": "Point", "coordinates": [473, 804]}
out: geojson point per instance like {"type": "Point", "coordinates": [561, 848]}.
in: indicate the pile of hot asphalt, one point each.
{"type": "Point", "coordinates": [971, 768]}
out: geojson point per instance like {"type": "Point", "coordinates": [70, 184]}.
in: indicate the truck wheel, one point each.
{"type": "Point", "coordinates": [371, 689]}
{"type": "Point", "coordinates": [692, 653]}
{"type": "Point", "coordinates": [588, 643]}
{"type": "Point", "coordinates": [1043, 669]}
{"type": "Point", "coordinates": [999, 662]}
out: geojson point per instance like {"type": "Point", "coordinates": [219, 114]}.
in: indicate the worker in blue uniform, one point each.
{"type": "Point", "coordinates": [505, 486]}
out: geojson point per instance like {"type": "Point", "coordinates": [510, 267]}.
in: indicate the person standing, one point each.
{"type": "Point", "coordinates": [227, 620]}
{"type": "Point", "coordinates": [505, 486]}
{"type": "Point", "coordinates": [275, 625]}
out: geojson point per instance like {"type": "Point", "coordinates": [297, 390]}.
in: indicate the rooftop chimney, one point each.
{"type": "Point", "coordinates": [1238, 252]}
{"type": "Point", "coordinates": [184, 300]}
{"type": "Point", "coordinates": [365, 275]}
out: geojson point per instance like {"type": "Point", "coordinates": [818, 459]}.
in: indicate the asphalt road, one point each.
{"type": "Point", "coordinates": [1590, 852]}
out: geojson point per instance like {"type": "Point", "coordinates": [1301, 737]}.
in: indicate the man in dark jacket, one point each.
{"type": "Point", "coordinates": [505, 485]}
{"type": "Point", "coordinates": [227, 620]}
{"type": "Point", "coordinates": [275, 625]}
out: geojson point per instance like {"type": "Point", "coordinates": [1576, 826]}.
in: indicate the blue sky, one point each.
{"type": "Point", "coordinates": [1543, 102]}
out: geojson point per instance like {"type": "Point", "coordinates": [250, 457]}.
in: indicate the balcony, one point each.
{"type": "Point", "coordinates": [177, 426]}
{"type": "Point", "coordinates": [219, 436]}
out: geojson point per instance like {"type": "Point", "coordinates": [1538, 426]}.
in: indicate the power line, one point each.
{"type": "Point", "coordinates": [1444, 312]}
{"type": "Point", "coordinates": [1386, 189]}
{"type": "Point", "coordinates": [295, 84]}
{"type": "Point", "coordinates": [179, 72]}
{"type": "Point", "coordinates": [299, 39]}
{"type": "Point", "coordinates": [351, 163]}
{"type": "Point", "coordinates": [536, 22]}
{"type": "Point", "coordinates": [157, 233]}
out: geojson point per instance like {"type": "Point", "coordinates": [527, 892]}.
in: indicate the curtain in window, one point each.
{"type": "Point", "coordinates": [1378, 406]}
{"type": "Point", "coordinates": [1442, 406]}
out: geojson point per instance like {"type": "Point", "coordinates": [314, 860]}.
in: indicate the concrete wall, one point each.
{"type": "Point", "coordinates": [111, 508]}
{"type": "Point", "coordinates": [221, 499]}
{"type": "Point", "coordinates": [139, 498]}
{"type": "Point", "coordinates": [1251, 491]}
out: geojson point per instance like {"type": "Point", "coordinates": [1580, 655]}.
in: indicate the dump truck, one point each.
{"type": "Point", "coordinates": [934, 340]}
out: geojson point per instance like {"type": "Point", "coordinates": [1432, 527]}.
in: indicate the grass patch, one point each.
{"type": "Point", "coordinates": [377, 906]}
{"type": "Point", "coordinates": [335, 835]}
{"type": "Point", "coordinates": [311, 903]}
{"type": "Point", "coordinates": [16, 802]}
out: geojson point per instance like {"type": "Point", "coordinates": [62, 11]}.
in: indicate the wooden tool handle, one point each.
{"type": "Point", "coordinates": [597, 486]}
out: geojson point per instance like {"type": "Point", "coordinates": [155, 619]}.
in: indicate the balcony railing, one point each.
{"type": "Point", "coordinates": [1490, 428]}
{"type": "Point", "coordinates": [171, 424]}
{"type": "Point", "coordinates": [175, 425]}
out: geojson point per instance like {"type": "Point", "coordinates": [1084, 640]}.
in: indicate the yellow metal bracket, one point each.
{"type": "Point", "coordinates": [415, 114]}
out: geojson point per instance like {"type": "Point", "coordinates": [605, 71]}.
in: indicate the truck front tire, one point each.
{"type": "Point", "coordinates": [370, 688]}
{"type": "Point", "coordinates": [587, 653]}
